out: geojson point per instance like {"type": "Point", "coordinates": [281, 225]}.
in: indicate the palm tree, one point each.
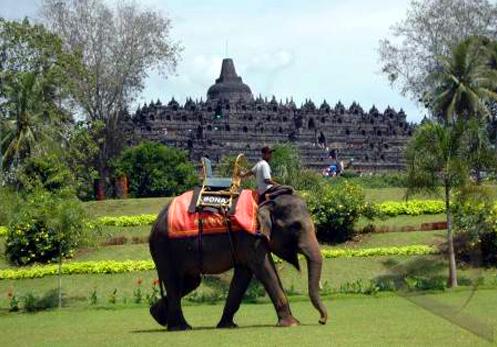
{"type": "Point", "coordinates": [464, 83]}
{"type": "Point", "coordinates": [30, 123]}
{"type": "Point", "coordinates": [434, 158]}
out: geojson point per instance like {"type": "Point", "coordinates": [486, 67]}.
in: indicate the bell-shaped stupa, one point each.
{"type": "Point", "coordinates": [229, 85]}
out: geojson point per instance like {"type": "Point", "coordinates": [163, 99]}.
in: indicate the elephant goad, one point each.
{"type": "Point", "coordinates": [287, 230]}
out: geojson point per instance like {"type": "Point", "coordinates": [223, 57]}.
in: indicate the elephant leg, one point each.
{"type": "Point", "coordinates": [175, 286]}
{"type": "Point", "coordinates": [159, 311]}
{"type": "Point", "coordinates": [190, 283]}
{"type": "Point", "coordinates": [267, 275]}
{"type": "Point", "coordinates": [238, 286]}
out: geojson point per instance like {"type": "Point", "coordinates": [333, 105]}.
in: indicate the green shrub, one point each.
{"type": "Point", "coordinates": [47, 172]}
{"type": "Point", "coordinates": [9, 201]}
{"type": "Point", "coordinates": [475, 221]}
{"type": "Point", "coordinates": [43, 227]}
{"type": "Point", "coordinates": [335, 209]}
{"type": "Point", "coordinates": [254, 291]}
{"type": "Point", "coordinates": [308, 180]}
{"type": "Point", "coordinates": [285, 163]}
{"type": "Point", "coordinates": [33, 303]}
{"type": "Point", "coordinates": [128, 221]}
{"type": "Point", "coordinates": [156, 170]}
{"type": "Point", "coordinates": [411, 207]}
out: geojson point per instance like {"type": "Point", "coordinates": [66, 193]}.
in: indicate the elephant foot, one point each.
{"type": "Point", "coordinates": [179, 327]}
{"type": "Point", "coordinates": [159, 311]}
{"type": "Point", "coordinates": [227, 325]}
{"type": "Point", "coordinates": [288, 322]}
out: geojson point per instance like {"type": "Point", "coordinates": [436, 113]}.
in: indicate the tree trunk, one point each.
{"type": "Point", "coordinates": [452, 282]}
{"type": "Point", "coordinates": [99, 186]}
{"type": "Point", "coordinates": [59, 274]}
{"type": "Point", "coordinates": [122, 187]}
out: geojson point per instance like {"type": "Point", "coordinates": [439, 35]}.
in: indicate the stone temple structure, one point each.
{"type": "Point", "coordinates": [232, 121]}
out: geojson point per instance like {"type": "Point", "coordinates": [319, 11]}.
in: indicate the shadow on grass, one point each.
{"type": "Point", "coordinates": [423, 273]}
{"type": "Point", "coordinates": [209, 328]}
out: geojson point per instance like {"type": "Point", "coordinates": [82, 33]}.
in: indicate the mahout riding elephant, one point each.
{"type": "Point", "coordinates": [287, 230]}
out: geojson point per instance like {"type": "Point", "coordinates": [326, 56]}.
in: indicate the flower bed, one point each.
{"type": "Point", "coordinates": [110, 266]}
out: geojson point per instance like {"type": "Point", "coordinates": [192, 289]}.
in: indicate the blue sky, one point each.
{"type": "Point", "coordinates": [301, 49]}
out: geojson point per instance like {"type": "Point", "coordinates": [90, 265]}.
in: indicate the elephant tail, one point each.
{"type": "Point", "coordinates": [154, 258]}
{"type": "Point", "coordinates": [158, 230]}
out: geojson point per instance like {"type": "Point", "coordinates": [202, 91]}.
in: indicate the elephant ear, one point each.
{"type": "Point", "coordinates": [265, 222]}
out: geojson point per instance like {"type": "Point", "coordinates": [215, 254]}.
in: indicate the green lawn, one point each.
{"type": "Point", "coordinates": [401, 238]}
{"type": "Point", "coordinates": [354, 321]}
{"type": "Point", "coordinates": [335, 273]}
{"type": "Point", "coordinates": [383, 194]}
{"type": "Point", "coordinates": [126, 207]}
{"type": "Point", "coordinates": [398, 222]}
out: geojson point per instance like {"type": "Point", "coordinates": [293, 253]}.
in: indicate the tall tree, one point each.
{"type": "Point", "coordinates": [32, 90]}
{"type": "Point", "coordinates": [118, 47]}
{"type": "Point", "coordinates": [444, 150]}
{"type": "Point", "coordinates": [434, 158]}
{"type": "Point", "coordinates": [463, 85]}
{"type": "Point", "coordinates": [430, 30]}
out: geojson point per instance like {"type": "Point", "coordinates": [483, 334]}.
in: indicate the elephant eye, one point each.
{"type": "Point", "coordinates": [295, 226]}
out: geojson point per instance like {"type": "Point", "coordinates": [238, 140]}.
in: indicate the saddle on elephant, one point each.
{"type": "Point", "coordinates": [182, 222]}
{"type": "Point", "coordinates": [218, 206]}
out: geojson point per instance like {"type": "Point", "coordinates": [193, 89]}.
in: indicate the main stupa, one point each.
{"type": "Point", "coordinates": [229, 86]}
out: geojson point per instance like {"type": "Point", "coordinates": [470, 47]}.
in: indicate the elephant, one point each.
{"type": "Point", "coordinates": [286, 230]}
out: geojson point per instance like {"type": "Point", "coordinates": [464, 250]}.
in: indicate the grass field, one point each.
{"type": "Point", "coordinates": [382, 319]}
{"type": "Point", "coordinates": [354, 321]}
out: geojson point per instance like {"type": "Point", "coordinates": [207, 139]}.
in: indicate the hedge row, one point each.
{"type": "Point", "coordinates": [111, 266]}
{"type": "Point", "coordinates": [412, 207]}
{"type": "Point", "coordinates": [389, 208]}
{"type": "Point", "coordinates": [379, 251]}
{"type": "Point", "coordinates": [128, 221]}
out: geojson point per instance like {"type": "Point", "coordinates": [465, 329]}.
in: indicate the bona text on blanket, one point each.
{"type": "Point", "coordinates": [182, 223]}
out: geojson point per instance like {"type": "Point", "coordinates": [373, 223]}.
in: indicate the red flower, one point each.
{"type": "Point", "coordinates": [155, 282]}
{"type": "Point", "coordinates": [139, 281]}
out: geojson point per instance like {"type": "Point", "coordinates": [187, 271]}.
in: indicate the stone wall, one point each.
{"type": "Point", "coordinates": [374, 140]}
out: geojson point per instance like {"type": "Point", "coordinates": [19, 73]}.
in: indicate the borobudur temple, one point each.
{"type": "Point", "coordinates": [232, 121]}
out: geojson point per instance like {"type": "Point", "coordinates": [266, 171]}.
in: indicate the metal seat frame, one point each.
{"type": "Point", "coordinates": [229, 192]}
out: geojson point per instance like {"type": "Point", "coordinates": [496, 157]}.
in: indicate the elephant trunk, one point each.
{"type": "Point", "coordinates": [314, 265]}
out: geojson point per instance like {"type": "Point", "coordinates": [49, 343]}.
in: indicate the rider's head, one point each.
{"type": "Point", "coordinates": [266, 153]}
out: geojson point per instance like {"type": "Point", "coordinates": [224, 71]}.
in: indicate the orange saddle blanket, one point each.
{"type": "Point", "coordinates": [182, 223]}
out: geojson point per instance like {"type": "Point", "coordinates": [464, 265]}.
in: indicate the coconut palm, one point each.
{"type": "Point", "coordinates": [438, 153]}
{"type": "Point", "coordinates": [464, 83]}
{"type": "Point", "coordinates": [32, 124]}
{"type": "Point", "coordinates": [435, 158]}
{"type": "Point", "coordinates": [23, 124]}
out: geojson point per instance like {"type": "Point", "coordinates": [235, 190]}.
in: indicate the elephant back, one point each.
{"type": "Point", "coordinates": [183, 223]}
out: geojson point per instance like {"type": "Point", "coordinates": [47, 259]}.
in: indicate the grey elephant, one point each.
{"type": "Point", "coordinates": [289, 230]}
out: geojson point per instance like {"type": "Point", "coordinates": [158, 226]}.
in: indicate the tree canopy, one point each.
{"type": "Point", "coordinates": [33, 90]}
{"type": "Point", "coordinates": [118, 46]}
{"type": "Point", "coordinates": [430, 30]}
{"type": "Point", "coordinates": [156, 170]}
